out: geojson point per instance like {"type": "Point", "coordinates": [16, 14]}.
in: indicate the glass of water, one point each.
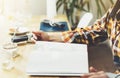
{"type": "Point", "coordinates": [8, 52]}
{"type": "Point", "coordinates": [10, 48]}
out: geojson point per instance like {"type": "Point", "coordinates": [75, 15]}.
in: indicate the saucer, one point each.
{"type": "Point", "coordinates": [18, 31]}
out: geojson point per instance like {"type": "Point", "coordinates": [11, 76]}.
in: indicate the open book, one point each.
{"type": "Point", "coordinates": [58, 59]}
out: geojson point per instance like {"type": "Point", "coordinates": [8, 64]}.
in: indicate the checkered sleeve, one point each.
{"type": "Point", "coordinates": [113, 29]}
{"type": "Point", "coordinates": [107, 27]}
{"type": "Point", "coordinates": [116, 45]}
{"type": "Point", "coordinates": [88, 35]}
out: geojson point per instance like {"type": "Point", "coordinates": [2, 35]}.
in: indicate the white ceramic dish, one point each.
{"type": "Point", "coordinates": [19, 30]}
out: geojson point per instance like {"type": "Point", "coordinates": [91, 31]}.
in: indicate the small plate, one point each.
{"type": "Point", "coordinates": [18, 31]}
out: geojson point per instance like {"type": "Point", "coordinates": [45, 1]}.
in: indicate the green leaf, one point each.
{"type": "Point", "coordinates": [88, 6]}
{"type": "Point", "coordinates": [99, 11]}
{"type": "Point", "coordinates": [58, 4]}
{"type": "Point", "coordinates": [111, 1]}
{"type": "Point", "coordinates": [103, 5]}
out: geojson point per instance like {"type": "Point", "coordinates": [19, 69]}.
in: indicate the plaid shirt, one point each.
{"type": "Point", "coordinates": [102, 29]}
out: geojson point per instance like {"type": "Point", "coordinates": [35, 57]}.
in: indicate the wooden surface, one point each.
{"type": "Point", "coordinates": [97, 57]}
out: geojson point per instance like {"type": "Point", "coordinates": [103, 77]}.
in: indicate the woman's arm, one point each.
{"type": "Point", "coordinates": [99, 31]}
{"type": "Point", "coordinates": [44, 36]}
{"type": "Point", "coordinates": [96, 33]}
{"type": "Point", "coordinates": [88, 35]}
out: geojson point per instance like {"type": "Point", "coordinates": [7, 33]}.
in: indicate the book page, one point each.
{"type": "Point", "coordinates": [52, 58]}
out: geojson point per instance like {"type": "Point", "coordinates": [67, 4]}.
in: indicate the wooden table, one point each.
{"type": "Point", "coordinates": [25, 50]}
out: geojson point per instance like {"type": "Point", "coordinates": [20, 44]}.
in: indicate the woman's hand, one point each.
{"type": "Point", "coordinates": [95, 74]}
{"type": "Point", "coordinates": [39, 35]}
{"type": "Point", "coordinates": [43, 36]}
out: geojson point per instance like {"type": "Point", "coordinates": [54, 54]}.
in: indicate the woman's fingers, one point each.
{"type": "Point", "coordinates": [99, 74]}
{"type": "Point", "coordinates": [92, 69]}
{"type": "Point", "coordinates": [94, 73]}
{"type": "Point", "coordinates": [39, 35]}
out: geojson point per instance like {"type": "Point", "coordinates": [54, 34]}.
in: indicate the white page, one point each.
{"type": "Point", "coordinates": [52, 58]}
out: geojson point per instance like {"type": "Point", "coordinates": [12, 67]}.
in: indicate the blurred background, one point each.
{"type": "Point", "coordinates": [74, 9]}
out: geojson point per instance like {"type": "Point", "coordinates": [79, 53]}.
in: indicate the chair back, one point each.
{"type": "Point", "coordinates": [85, 20]}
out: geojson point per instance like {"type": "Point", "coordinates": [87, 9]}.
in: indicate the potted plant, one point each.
{"type": "Point", "coordinates": [73, 8]}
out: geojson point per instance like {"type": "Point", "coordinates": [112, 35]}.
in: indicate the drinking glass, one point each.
{"type": "Point", "coordinates": [7, 54]}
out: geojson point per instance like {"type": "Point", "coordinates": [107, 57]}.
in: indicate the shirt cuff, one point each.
{"type": "Point", "coordinates": [112, 75]}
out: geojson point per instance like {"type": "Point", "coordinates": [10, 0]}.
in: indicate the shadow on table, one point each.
{"type": "Point", "coordinates": [100, 57]}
